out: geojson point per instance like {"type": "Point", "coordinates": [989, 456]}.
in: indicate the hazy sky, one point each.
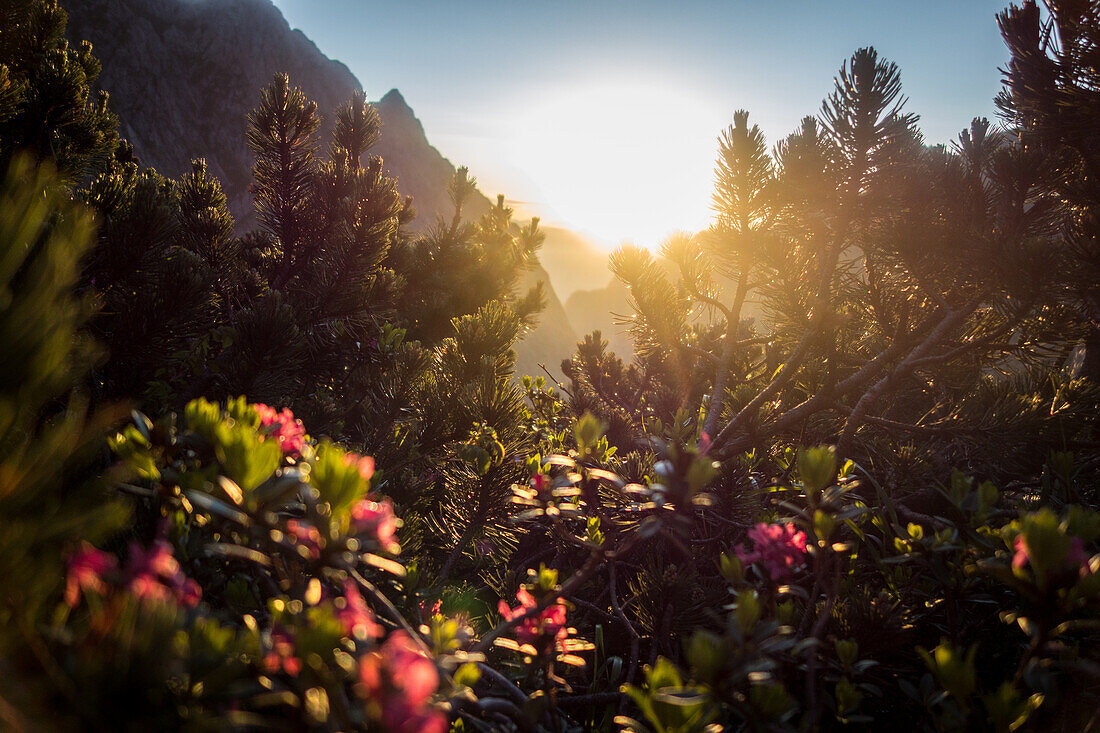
{"type": "Point", "coordinates": [604, 114]}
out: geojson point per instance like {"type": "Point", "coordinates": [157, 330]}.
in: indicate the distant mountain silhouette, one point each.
{"type": "Point", "coordinates": [600, 309]}
{"type": "Point", "coordinates": [574, 263]}
{"type": "Point", "coordinates": [184, 74]}
{"type": "Point", "coordinates": [595, 310]}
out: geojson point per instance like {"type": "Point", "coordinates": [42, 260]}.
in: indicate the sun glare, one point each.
{"type": "Point", "coordinates": [624, 161]}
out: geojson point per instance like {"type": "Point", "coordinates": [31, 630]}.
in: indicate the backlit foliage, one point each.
{"type": "Point", "coordinates": [847, 479]}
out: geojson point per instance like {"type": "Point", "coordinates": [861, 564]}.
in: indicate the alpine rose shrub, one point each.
{"type": "Point", "coordinates": [780, 549]}
{"type": "Point", "coordinates": [401, 678]}
{"type": "Point", "coordinates": [549, 623]}
{"type": "Point", "coordinates": [285, 428]}
{"type": "Point", "coordinates": [317, 608]}
{"type": "Point", "coordinates": [86, 568]}
{"type": "Point", "coordinates": [301, 529]}
{"type": "Point", "coordinates": [151, 574]}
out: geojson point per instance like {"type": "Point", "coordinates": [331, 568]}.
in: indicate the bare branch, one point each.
{"type": "Point", "coordinates": [950, 320]}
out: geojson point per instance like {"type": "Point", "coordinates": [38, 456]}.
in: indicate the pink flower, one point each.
{"type": "Point", "coordinates": [402, 678]}
{"type": "Point", "coordinates": [355, 616]}
{"type": "Point", "coordinates": [268, 415]}
{"type": "Point", "coordinates": [779, 548]}
{"type": "Point", "coordinates": [86, 568]}
{"type": "Point", "coordinates": [410, 669]}
{"type": "Point", "coordinates": [281, 657]}
{"type": "Point", "coordinates": [155, 575]}
{"type": "Point", "coordinates": [1075, 557]}
{"type": "Point", "coordinates": [426, 611]}
{"type": "Point", "coordinates": [548, 623]}
{"type": "Point", "coordinates": [543, 486]}
{"type": "Point", "coordinates": [307, 536]}
{"type": "Point", "coordinates": [376, 520]}
{"type": "Point", "coordinates": [365, 464]}
{"type": "Point", "coordinates": [285, 428]}
{"type": "Point", "coordinates": [149, 588]}
{"type": "Point", "coordinates": [1021, 558]}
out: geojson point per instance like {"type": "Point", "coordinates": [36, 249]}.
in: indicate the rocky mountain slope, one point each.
{"type": "Point", "coordinates": [574, 263]}
{"type": "Point", "coordinates": [184, 74]}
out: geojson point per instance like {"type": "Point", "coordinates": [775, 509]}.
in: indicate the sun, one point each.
{"type": "Point", "coordinates": [623, 160]}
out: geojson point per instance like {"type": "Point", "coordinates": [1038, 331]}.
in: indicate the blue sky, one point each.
{"type": "Point", "coordinates": [603, 115]}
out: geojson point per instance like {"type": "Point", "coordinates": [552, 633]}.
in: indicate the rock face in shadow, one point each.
{"type": "Point", "coordinates": [421, 171]}
{"type": "Point", "coordinates": [544, 345]}
{"type": "Point", "coordinates": [184, 74]}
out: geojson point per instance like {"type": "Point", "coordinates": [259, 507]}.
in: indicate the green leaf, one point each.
{"type": "Point", "coordinates": [747, 610]}
{"type": "Point", "coordinates": [467, 674]}
{"type": "Point", "coordinates": [337, 476]}
{"type": "Point", "coordinates": [587, 431]}
{"type": "Point", "coordinates": [817, 469]}
{"type": "Point", "coordinates": [246, 457]}
{"type": "Point", "coordinates": [824, 524]}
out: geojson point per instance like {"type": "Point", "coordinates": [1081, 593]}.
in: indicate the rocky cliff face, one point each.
{"type": "Point", "coordinates": [573, 262]}
{"type": "Point", "coordinates": [184, 74]}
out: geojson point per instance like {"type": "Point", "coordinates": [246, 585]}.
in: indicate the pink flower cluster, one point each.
{"type": "Point", "coordinates": [779, 548]}
{"type": "Point", "coordinates": [282, 657]}
{"type": "Point", "coordinates": [540, 482]}
{"type": "Point", "coordinates": [370, 518]}
{"type": "Point", "coordinates": [1076, 556]}
{"type": "Point", "coordinates": [376, 520]}
{"type": "Point", "coordinates": [156, 575]}
{"type": "Point", "coordinates": [307, 536]}
{"type": "Point", "coordinates": [401, 679]}
{"type": "Point", "coordinates": [355, 616]}
{"type": "Point", "coordinates": [365, 464]}
{"type": "Point", "coordinates": [87, 566]}
{"type": "Point", "coordinates": [285, 428]}
{"type": "Point", "coordinates": [547, 624]}
{"type": "Point", "coordinates": [150, 575]}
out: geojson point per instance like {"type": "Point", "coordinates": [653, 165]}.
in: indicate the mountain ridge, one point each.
{"type": "Point", "coordinates": [184, 74]}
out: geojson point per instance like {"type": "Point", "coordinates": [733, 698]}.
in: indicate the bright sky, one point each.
{"type": "Point", "coordinates": [603, 115]}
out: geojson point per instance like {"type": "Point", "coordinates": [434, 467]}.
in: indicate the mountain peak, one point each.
{"type": "Point", "coordinates": [184, 74]}
{"type": "Point", "coordinates": [396, 101]}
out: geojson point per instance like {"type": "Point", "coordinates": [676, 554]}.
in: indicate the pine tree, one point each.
{"type": "Point", "coordinates": [1051, 100]}
{"type": "Point", "coordinates": [886, 272]}
{"type": "Point", "coordinates": [51, 444]}
{"type": "Point", "coordinates": [163, 268]}
{"type": "Point", "coordinates": [282, 134]}
{"type": "Point", "coordinates": [47, 103]}
{"type": "Point", "coordinates": [460, 266]}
